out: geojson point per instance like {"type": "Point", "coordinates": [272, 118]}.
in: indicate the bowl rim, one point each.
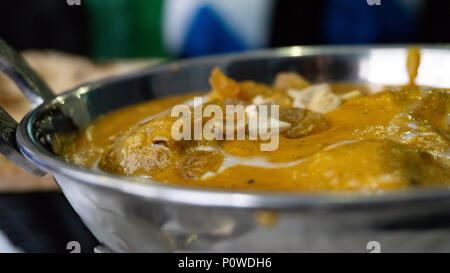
{"type": "Point", "coordinates": [212, 197]}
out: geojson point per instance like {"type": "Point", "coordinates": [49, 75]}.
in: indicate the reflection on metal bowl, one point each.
{"type": "Point", "coordinates": [127, 216]}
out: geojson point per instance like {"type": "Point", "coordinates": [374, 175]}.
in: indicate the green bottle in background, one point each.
{"type": "Point", "coordinates": [125, 28]}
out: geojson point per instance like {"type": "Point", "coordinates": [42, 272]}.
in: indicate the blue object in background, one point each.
{"type": "Point", "coordinates": [208, 34]}
{"type": "Point", "coordinates": [354, 22]}
{"type": "Point", "coordinates": [204, 27]}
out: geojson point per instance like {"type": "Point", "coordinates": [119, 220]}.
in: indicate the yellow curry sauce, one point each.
{"type": "Point", "coordinates": [395, 138]}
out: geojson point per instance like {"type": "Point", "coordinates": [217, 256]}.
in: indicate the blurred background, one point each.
{"type": "Point", "coordinates": [185, 28]}
{"type": "Point", "coordinates": [129, 34]}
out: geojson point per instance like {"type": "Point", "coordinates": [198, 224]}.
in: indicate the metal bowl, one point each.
{"type": "Point", "coordinates": [128, 216]}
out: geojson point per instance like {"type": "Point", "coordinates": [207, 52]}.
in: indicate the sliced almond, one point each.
{"type": "Point", "coordinates": [258, 100]}
{"type": "Point", "coordinates": [318, 98]}
{"type": "Point", "coordinates": [351, 95]}
{"type": "Point", "coordinates": [302, 98]}
{"type": "Point", "coordinates": [268, 125]}
{"type": "Point", "coordinates": [324, 101]}
{"type": "Point", "coordinates": [282, 125]}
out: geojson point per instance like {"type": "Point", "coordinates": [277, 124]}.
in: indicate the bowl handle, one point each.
{"type": "Point", "coordinates": [8, 145]}
{"type": "Point", "coordinates": [28, 81]}
{"type": "Point", "coordinates": [36, 91]}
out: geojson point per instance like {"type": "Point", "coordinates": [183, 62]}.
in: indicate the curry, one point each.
{"type": "Point", "coordinates": [332, 136]}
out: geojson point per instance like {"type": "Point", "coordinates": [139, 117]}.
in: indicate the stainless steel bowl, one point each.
{"type": "Point", "coordinates": [128, 216]}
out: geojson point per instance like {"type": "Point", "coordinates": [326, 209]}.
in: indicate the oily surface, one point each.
{"type": "Point", "coordinates": [395, 138]}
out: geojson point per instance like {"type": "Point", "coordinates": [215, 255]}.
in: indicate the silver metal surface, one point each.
{"type": "Point", "coordinates": [127, 215]}
{"type": "Point", "coordinates": [36, 90]}
{"type": "Point", "coordinates": [15, 66]}
{"type": "Point", "coordinates": [8, 145]}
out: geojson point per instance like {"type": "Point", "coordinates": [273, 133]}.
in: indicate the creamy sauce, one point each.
{"type": "Point", "coordinates": [361, 149]}
{"type": "Point", "coordinates": [261, 162]}
{"type": "Point", "coordinates": [347, 137]}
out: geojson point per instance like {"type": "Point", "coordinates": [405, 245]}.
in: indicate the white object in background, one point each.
{"type": "Point", "coordinates": [250, 20]}
{"type": "Point", "coordinates": [6, 246]}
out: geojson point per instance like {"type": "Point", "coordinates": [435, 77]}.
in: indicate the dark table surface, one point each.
{"type": "Point", "coordinates": [43, 222]}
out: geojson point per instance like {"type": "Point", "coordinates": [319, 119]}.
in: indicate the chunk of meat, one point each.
{"type": "Point", "coordinates": [434, 110]}
{"type": "Point", "coordinates": [223, 87]}
{"type": "Point", "coordinates": [292, 115]}
{"type": "Point", "coordinates": [149, 150]}
{"type": "Point", "coordinates": [304, 122]}
{"type": "Point", "coordinates": [262, 94]}
{"type": "Point", "coordinates": [371, 165]}
{"type": "Point", "coordinates": [290, 80]}
{"type": "Point", "coordinates": [195, 163]}
{"type": "Point", "coordinates": [145, 149]}
{"type": "Point", "coordinates": [245, 92]}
